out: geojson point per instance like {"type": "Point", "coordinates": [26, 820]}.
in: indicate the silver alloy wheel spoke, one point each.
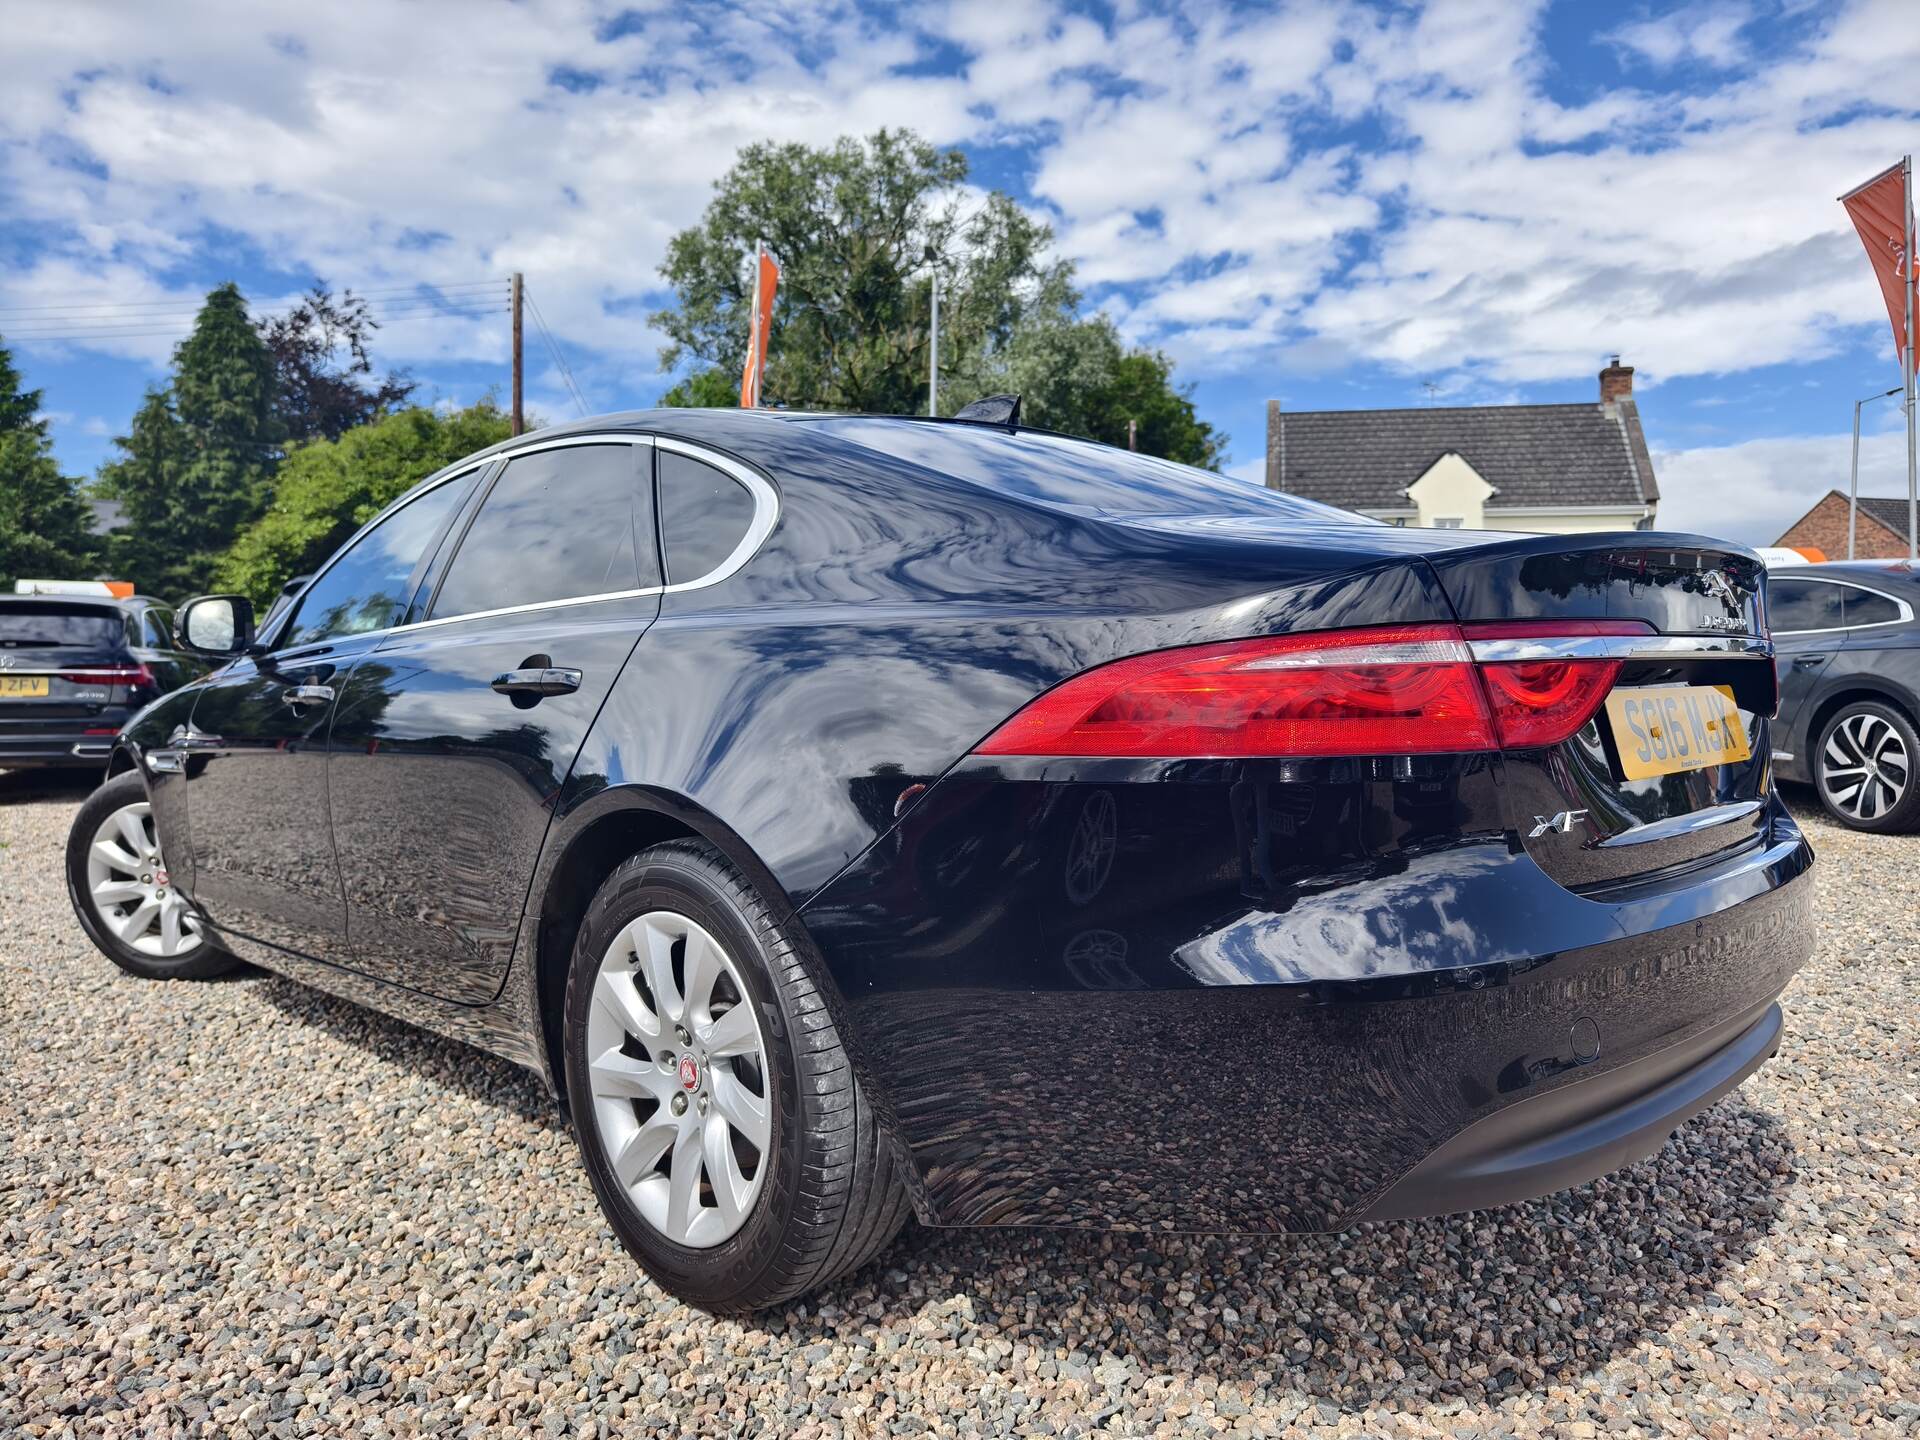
{"type": "Point", "coordinates": [670, 1025]}
{"type": "Point", "coordinates": [128, 885]}
{"type": "Point", "coordinates": [1865, 768]}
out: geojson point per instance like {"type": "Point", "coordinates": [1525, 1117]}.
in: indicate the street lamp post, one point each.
{"type": "Point", "coordinates": [1853, 485]}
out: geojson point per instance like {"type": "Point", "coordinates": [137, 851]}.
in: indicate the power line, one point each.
{"type": "Point", "coordinates": [553, 348]}
{"type": "Point", "coordinates": [423, 289]}
{"type": "Point", "coordinates": [49, 328]}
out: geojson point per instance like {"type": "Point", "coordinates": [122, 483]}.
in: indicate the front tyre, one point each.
{"type": "Point", "coordinates": [1864, 768]}
{"type": "Point", "coordinates": [121, 893]}
{"type": "Point", "coordinates": [718, 1115]}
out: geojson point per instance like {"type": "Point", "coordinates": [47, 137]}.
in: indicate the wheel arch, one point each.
{"type": "Point", "coordinates": [1852, 690]}
{"type": "Point", "coordinates": [596, 836]}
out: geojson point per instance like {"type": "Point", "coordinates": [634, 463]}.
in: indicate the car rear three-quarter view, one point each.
{"type": "Point", "coordinates": [870, 814]}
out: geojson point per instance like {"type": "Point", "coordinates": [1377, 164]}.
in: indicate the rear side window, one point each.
{"type": "Point", "coordinates": [704, 515]}
{"type": "Point", "coordinates": [369, 585]}
{"type": "Point", "coordinates": [40, 625]}
{"type": "Point", "coordinates": [1866, 608]}
{"type": "Point", "coordinates": [1803, 605]}
{"type": "Point", "coordinates": [557, 524]}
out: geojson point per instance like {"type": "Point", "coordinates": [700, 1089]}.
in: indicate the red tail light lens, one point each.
{"type": "Point", "coordinates": [117, 675]}
{"type": "Point", "coordinates": [1389, 690]}
{"type": "Point", "coordinates": [1403, 690]}
{"type": "Point", "coordinates": [1542, 702]}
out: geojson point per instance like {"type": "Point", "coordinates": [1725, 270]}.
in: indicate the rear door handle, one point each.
{"type": "Point", "coordinates": [298, 695]}
{"type": "Point", "coordinates": [551, 680]}
{"type": "Point", "coordinates": [1808, 662]}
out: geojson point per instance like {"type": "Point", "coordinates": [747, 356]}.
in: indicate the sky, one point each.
{"type": "Point", "coordinates": [1336, 205]}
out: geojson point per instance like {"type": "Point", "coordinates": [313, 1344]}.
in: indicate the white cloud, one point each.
{"type": "Point", "coordinates": [1752, 491]}
{"type": "Point", "coordinates": [1194, 163]}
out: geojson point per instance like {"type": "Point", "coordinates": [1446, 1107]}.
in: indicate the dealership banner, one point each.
{"type": "Point", "coordinates": [766, 279]}
{"type": "Point", "coordinates": [1879, 210]}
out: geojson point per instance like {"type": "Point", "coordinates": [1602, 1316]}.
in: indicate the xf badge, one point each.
{"type": "Point", "coordinates": [1561, 824]}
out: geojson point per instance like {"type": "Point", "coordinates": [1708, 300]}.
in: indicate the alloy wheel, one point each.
{"type": "Point", "coordinates": [128, 886]}
{"type": "Point", "coordinates": [678, 1070]}
{"type": "Point", "coordinates": [1865, 768]}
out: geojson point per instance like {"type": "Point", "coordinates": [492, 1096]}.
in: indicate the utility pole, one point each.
{"type": "Point", "coordinates": [519, 364]}
{"type": "Point", "coordinates": [933, 364]}
{"type": "Point", "coordinates": [1906, 368]}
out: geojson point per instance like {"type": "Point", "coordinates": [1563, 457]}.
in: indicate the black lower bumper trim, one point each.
{"type": "Point", "coordinates": [1584, 1130]}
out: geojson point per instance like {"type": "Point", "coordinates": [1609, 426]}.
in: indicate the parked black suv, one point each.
{"type": "Point", "coordinates": [73, 668]}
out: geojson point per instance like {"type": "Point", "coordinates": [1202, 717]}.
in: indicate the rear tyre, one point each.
{"type": "Point", "coordinates": [121, 892]}
{"type": "Point", "coordinates": [1864, 767]}
{"type": "Point", "coordinates": [726, 1137]}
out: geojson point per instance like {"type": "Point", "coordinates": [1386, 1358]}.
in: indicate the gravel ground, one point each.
{"type": "Point", "coordinates": [239, 1207]}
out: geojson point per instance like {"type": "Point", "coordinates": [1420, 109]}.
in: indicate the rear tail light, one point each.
{"type": "Point", "coordinates": [1388, 690]}
{"type": "Point", "coordinates": [115, 675]}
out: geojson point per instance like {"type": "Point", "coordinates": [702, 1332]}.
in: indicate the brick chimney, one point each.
{"type": "Point", "coordinates": [1616, 382]}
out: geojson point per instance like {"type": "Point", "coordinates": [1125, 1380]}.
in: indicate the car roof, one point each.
{"type": "Point", "coordinates": [1865, 572]}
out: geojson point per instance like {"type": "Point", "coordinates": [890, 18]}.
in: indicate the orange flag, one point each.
{"type": "Point", "coordinates": [766, 279]}
{"type": "Point", "coordinates": [1878, 210]}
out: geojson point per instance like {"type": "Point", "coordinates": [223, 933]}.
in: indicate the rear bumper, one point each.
{"type": "Point", "coordinates": [59, 742]}
{"type": "Point", "coordinates": [1185, 1037]}
{"type": "Point", "coordinates": [1585, 1130]}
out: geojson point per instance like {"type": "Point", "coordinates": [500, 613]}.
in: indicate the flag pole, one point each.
{"type": "Point", "coordinates": [1906, 366]}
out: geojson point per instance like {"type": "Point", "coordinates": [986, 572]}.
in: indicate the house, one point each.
{"type": "Point", "coordinates": [1882, 534]}
{"type": "Point", "coordinates": [1560, 468]}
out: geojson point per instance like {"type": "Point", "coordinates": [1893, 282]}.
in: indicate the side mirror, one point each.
{"type": "Point", "coordinates": [216, 625]}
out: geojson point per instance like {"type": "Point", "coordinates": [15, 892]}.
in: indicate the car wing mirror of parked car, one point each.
{"type": "Point", "coordinates": [217, 625]}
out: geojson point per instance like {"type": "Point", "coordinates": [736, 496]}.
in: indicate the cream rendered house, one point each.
{"type": "Point", "coordinates": [1541, 468]}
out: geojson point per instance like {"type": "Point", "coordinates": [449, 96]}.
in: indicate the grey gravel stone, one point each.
{"type": "Point", "coordinates": [241, 1208]}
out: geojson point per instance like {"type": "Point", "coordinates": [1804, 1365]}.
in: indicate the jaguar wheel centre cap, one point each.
{"type": "Point", "coordinates": [689, 1073]}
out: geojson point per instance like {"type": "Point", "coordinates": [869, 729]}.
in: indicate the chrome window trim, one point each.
{"type": "Point", "coordinates": [1620, 647]}
{"type": "Point", "coordinates": [393, 507]}
{"type": "Point", "coordinates": [1905, 616]}
{"type": "Point", "coordinates": [766, 514]}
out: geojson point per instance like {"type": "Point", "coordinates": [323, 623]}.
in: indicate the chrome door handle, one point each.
{"type": "Point", "coordinates": [298, 695]}
{"type": "Point", "coordinates": [552, 680]}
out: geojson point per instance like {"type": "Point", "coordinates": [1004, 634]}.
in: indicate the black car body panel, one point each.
{"type": "Point", "coordinates": [57, 637]}
{"type": "Point", "coordinates": [1827, 661]}
{"type": "Point", "coordinates": [1247, 995]}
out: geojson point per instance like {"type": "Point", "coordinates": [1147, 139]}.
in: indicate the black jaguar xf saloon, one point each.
{"type": "Point", "coordinates": [850, 817]}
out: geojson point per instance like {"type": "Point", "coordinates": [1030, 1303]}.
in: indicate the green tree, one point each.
{"type": "Point", "coordinates": [859, 228]}
{"type": "Point", "coordinates": [327, 489]}
{"type": "Point", "coordinates": [43, 517]}
{"type": "Point", "coordinates": [710, 389]}
{"type": "Point", "coordinates": [197, 464]}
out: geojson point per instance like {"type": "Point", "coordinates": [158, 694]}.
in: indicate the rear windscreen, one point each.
{"type": "Point", "coordinates": [45, 626]}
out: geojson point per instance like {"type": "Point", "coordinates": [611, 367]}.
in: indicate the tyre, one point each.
{"type": "Point", "coordinates": [1864, 768]}
{"type": "Point", "coordinates": [725, 1134]}
{"type": "Point", "coordinates": [118, 885]}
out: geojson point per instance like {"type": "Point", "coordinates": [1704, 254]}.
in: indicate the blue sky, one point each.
{"type": "Point", "coordinates": [1340, 205]}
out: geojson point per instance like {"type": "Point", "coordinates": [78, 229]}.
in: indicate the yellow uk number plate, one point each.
{"type": "Point", "coordinates": [23, 687]}
{"type": "Point", "coordinates": [1665, 729]}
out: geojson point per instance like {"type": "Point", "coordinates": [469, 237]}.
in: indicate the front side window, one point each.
{"type": "Point", "coordinates": [704, 514]}
{"type": "Point", "coordinates": [158, 621]}
{"type": "Point", "coordinates": [369, 584]}
{"type": "Point", "coordinates": [558, 524]}
{"type": "Point", "coordinates": [1794, 605]}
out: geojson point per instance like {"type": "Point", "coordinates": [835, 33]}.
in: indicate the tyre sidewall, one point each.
{"type": "Point", "coordinates": [123, 790]}
{"type": "Point", "coordinates": [716, 1276]}
{"type": "Point", "coordinates": [1903, 816]}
